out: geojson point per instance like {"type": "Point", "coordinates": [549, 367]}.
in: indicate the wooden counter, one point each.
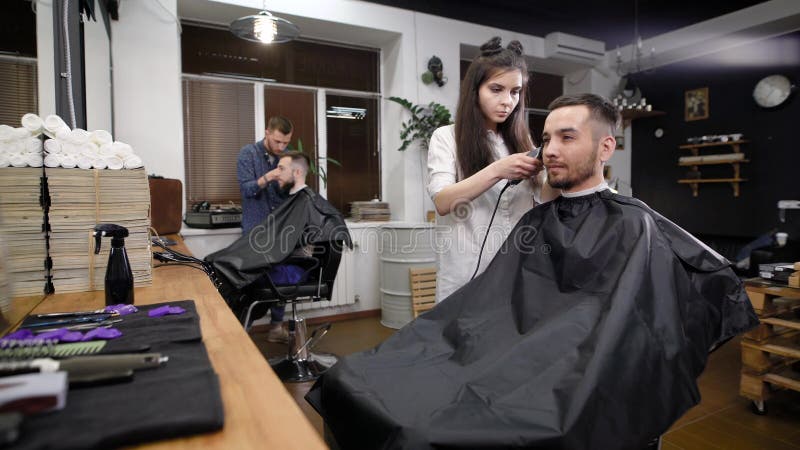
{"type": "Point", "coordinates": [259, 412]}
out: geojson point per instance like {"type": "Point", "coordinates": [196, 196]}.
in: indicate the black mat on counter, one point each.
{"type": "Point", "coordinates": [180, 398]}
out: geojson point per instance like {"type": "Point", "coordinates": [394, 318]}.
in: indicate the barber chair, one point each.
{"type": "Point", "coordinates": [253, 302]}
{"type": "Point", "coordinates": [300, 364]}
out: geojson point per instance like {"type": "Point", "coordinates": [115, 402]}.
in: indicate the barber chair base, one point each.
{"type": "Point", "coordinates": [302, 370]}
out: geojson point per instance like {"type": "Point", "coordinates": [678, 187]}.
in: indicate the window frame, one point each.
{"type": "Point", "coordinates": [321, 107]}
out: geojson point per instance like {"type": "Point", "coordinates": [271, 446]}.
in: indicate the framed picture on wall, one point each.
{"type": "Point", "coordinates": [696, 102]}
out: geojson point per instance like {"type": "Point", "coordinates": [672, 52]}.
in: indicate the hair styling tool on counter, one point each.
{"type": "Point", "coordinates": [44, 348]}
{"type": "Point", "coordinates": [73, 314]}
{"type": "Point", "coordinates": [68, 321]}
{"type": "Point", "coordinates": [82, 326]}
{"type": "Point", "coordinates": [119, 277]}
{"type": "Point", "coordinates": [88, 369]}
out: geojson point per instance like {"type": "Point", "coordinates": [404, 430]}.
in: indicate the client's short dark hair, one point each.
{"type": "Point", "coordinates": [599, 107]}
{"type": "Point", "coordinates": [298, 158]}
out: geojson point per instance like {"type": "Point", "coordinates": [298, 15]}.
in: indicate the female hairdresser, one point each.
{"type": "Point", "coordinates": [470, 162]}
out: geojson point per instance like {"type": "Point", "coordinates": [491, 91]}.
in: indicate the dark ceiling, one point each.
{"type": "Point", "coordinates": [610, 21]}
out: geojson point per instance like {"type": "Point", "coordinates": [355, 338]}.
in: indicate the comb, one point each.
{"type": "Point", "coordinates": [12, 350]}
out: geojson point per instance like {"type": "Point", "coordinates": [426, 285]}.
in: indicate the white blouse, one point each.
{"type": "Point", "coordinates": [459, 234]}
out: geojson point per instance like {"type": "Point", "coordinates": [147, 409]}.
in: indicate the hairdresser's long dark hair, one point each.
{"type": "Point", "coordinates": [473, 149]}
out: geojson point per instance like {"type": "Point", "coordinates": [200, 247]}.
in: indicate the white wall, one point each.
{"type": "Point", "coordinates": [98, 75]}
{"type": "Point", "coordinates": [147, 84]}
{"type": "Point", "coordinates": [44, 59]}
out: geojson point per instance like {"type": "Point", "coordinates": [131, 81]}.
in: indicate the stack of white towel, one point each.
{"type": "Point", "coordinates": [21, 147]}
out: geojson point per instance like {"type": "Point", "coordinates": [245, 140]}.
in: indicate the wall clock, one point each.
{"type": "Point", "coordinates": [773, 91]}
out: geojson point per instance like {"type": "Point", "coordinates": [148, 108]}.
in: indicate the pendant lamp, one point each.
{"type": "Point", "coordinates": [264, 28]}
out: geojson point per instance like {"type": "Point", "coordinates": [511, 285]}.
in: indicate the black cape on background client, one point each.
{"type": "Point", "coordinates": [304, 218]}
{"type": "Point", "coordinates": [588, 330]}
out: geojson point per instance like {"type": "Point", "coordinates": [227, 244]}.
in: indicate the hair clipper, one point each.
{"type": "Point", "coordinates": [535, 153]}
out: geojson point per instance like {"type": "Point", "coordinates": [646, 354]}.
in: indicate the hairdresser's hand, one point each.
{"type": "Point", "coordinates": [516, 167]}
{"type": "Point", "coordinates": [267, 177]}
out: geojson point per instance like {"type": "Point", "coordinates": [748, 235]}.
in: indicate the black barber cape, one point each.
{"type": "Point", "coordinates": [304, 218]}
{"type": "Point", "coordinates": [587, 330]}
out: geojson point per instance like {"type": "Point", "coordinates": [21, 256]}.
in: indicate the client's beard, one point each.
{"type": "Point", "coordinates": [287, 188]}
{"type": "Point", "coordinates": [582, 173]}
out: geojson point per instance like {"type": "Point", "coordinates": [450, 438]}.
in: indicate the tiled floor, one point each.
{"type": "Point", "coordinates": [722, 420]}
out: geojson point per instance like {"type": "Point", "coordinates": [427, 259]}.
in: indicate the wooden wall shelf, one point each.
{"type": "Point", "coordinates": [694, 183]}
{"type": "Point", "coordinates": [711, 163]}
{"type": "Point", "coordinates": [695, 147]}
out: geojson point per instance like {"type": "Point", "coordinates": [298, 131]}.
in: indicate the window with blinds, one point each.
{"type": "Point", "coordinates": [218, 120]}
{"type": "Point", "coordinates": [19, 84]}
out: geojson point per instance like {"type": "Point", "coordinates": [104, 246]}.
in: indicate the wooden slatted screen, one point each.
{"type": "Point", "coordinates": [423, 289]}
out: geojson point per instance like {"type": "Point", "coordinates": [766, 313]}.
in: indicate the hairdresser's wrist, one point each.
{"type": "Point", "coordinates": [494, 172]}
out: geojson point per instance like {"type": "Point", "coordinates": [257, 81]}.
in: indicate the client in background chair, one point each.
{"type": "Point", "coordinates": [290, 231]}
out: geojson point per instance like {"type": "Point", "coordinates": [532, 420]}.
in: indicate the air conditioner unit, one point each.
{"type": "Point", "coordinates": [574, 48]}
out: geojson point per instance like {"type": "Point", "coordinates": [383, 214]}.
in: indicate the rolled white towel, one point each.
{"type": "Point", "coordinates": [121, 149]}
{"type": "Point", "coordinates": [33, 123]}
{"type": "Point", "coordinates": [114, 162]}
{"type": "Point", "coordinates": [101, 137]}
{"type": "Point", "coordinates": [68, 148]}
{"type": "Point", "coordinates": [89, 149]}
{"type": "Point", "coordinates": [33, 145]}
{"type": "Point", "coordinates": [4, 162]}
{"type": "Point", "coordinates": [15, 146]}
{"type": "Point", "coordinates": [17, 160]}
{"type": "Point", "coordinates": [106, 150]}
{"type": "Point", "coordinates": [54, 134]}
{"type": "Point", "coordinates": [52, 146]}
{"type": "Point", "coordinates": [68, 162]}
{"type": "Point", "coordinates": [63, 135]}
{"type": "Point", "coordinates": [99, 163]}
{"type": "Point", "coordinates": [132, 162]}
{"type": "Point", "coordinates": [52, 160]}
{"type": "Point", "coordinates": [85, 162]}
{"type": "Point", "coordinates": [53, 123]}
{"type": "Point", "coordinates": [34, 159]}
{"type": "Point", "coordinates": [6, 133]}
{"type": "Point", "coordinates": [79, 136]}
{"type": "Point", "coordinates": [21, 133]}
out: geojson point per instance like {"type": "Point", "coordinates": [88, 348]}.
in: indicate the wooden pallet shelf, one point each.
{"type": "Point", "coordinates": [770, 351]}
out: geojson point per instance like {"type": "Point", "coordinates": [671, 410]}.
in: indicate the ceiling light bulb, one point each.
{"type": "Point", "coordinates": [265, 29]}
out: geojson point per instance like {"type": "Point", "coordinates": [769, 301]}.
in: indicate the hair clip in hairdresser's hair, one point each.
{"type": "Point", "coordinates": [491, 47]}
{"type": "Point", "coordinates": [515, 47]}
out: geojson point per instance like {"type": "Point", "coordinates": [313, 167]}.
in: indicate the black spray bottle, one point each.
{"type": "Point", "coordinates": [119, 277]}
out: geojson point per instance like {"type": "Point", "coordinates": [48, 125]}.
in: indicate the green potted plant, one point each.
{"type": "Point", "coordinates": [424, 120]}
{"type": "Point", "coordinates": [314, 169]}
